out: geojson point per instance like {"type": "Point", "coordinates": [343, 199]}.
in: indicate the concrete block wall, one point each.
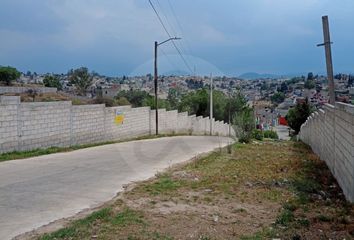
{"type": "Point", "coordinates": [28, 126]}
{"type": "Point", "coordinates": [4, 90]}
{"type": "Point", "coordinates": [9, 111]}
{"type": "Point", "coordinates": [43, 125]}
{"type": "Point", "coordinates": [330, 133]}
{"type": "Point", "coordinates": [136, 123]}
{"type": "Point", "coordinates": [88, 124]}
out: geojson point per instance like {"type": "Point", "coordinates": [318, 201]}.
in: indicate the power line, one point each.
{"type": "Point", "coordinates": [179, 26]}
{"type": "Point", "coordinates": [186, 48]}
{"type": "Point", "coordinates": [168, 59]}
{"type": "Point", "coordinates": [169, 35]}
{"type": "Point", "coordinates": [166, 18]}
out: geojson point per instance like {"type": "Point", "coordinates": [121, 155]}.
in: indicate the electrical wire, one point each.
{"type": "Point", "coordinates": [169, 35]}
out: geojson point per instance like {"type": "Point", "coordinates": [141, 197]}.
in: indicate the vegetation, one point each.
{"type": "Point", "coordinates": [82, 80]}
{"type": "Point", "coordinates": [109, 102]}
{"type": "Point", "coordinates": [270, 134]}
{"type": "Point", "coordinates": [32, 93]}
{"type": "Point", "coordinates": [278, 97]}
{"type": "Point", "coordinates": [136, 98]}
{"type": "Point", "coordinates": [283, 87]}
{"type": "Point", "coordinates": [310, 84]}
{"type": "Point", "coordinates": [310, 76]}
{"type": "Point", "coordinates": [52, 81]}
{"type": "Point", "coordinates": [244, 124]}
{"type": "Point", "coordinates": [122, 101]}
{"type": "Point", "coordinates": [196, 102]}
{"type": "Point", "coordinates": [8, 74]}
{"type": "Point", "coordinates": [298, 115]}
{"type": "Point", "coordinates": [260, 135]}
{"type": "Point", "coordinates": [272, 190]}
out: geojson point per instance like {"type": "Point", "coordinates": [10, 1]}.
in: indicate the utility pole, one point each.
{"type": "Point", "coordinates": [155, 83]}
{"type": "Point", "coordinates": [229, 112]}
{"type": "Point", "coordinates": [327, 43]}
{"type": "Point", "coordinates": [211, 104]}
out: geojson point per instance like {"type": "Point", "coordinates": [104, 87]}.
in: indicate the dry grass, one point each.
{"type": "Point", "coordinates": [260, 191]}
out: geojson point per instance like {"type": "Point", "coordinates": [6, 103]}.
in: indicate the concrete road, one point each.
{"type": "Point", "coordinates": [37, 191]}
{"type": "Point", "coordinates": [283, 132]}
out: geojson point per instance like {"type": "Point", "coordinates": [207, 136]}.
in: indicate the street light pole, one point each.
{"type": "Point", "coordinates": [155, 81]}
{"type": "Point", "coordinates": [211, 104]}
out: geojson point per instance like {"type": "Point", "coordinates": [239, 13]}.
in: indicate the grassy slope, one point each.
{"type": "Point", "coordinates": [260, 191]}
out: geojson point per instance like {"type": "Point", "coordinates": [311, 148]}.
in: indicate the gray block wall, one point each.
{"type": "Point", "coordinates": [330, 133]}
{"type": "Point", "coordinates": [28, 126]}
{"type": "Point", "coordinates": [4, 90]}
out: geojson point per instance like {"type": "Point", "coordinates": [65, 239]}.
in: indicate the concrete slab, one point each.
{"type": "Point", "coordinates": [283, 132]}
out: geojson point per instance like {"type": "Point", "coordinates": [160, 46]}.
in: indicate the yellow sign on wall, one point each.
{"type": "Point", "coordinates": [119, 118]}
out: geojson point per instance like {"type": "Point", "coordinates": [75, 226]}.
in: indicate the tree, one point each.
{"type": "Point", "coordinates": [264, 86]}
{"type": "Point", "coordinates": [235, 104]}
{"type": "Point", "coordinates": [8, 74]}
{"type": "Point", "coordinates": [32, 93]}
{"type": "Point", "coordinates": [173, 97]}
{"type": "Point", "coordinates": [298, 115]}
{"type": "Point", "coordinates": [244, 124]}
{"type": "Point", "coordinates": [284, 87]}
{"type": "Point", "coordinates": [52, 81]}
{"type": "Point", "coordinates": [220, 103]}
{"type": "Point", "coordinates": [122, 101]}
{"type": "Point", "coordinates": [310, 76]}
{"type": "Point", "coordinates": [278, 97]}
{"type": "Point", "coordinates": [195, 103]}
{"type": "Point", "coordinates": [135, 97]}
{"type": "Point", "coordinates": [82, 79]}
{"type": "Point", "coordinates": [310, 84]}
{"type": "Point", "coordinates": [350, 80]}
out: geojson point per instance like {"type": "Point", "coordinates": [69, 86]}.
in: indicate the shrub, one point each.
{"type": "Point", "coordinates": [244, 125]}
{"type": "Point", "coordinates": [298, 115]}
{"type": "Point", "coordinates": [270, 134]}
{"type": "Point", "coordinates": [103, 100]}
{"type": "Point", "coordinates": [8, 74]}
{"type": "Point", "coordinates": [257, 134]}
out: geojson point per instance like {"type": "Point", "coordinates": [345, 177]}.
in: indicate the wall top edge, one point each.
{"type": "Point", "coordinates": [345, 107]}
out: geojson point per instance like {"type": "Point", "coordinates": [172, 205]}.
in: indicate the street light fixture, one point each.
{"type": "Point", "coordinates": [155, 80]}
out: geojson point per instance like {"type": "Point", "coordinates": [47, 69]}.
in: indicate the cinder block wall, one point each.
{"type": "Point", "coordinates": [330, 133]}
{"type": "Point", "coordinates": [25, 89]}
{"type": "Point", "coordinates": [28, 126]}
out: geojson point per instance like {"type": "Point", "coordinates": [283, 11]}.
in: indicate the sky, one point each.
{"type": "Point", "coordinates": [225, 37]}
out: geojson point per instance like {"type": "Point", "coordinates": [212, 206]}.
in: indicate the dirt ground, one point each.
{"type": "Point", "coordinates": [263, 190]}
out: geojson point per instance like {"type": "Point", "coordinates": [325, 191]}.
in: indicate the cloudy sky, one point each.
{"type": "Point", "coordinates": [229, 37]}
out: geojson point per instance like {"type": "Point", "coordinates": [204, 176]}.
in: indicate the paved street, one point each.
{"type": "Point", "coordinates": [36, 191]}
{"type": "Point", "coordinates": [283, 132]}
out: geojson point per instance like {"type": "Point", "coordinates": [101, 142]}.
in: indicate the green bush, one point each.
{"type": "Point", "coordinates": [257, 134]}
{"type": "Point", "coordinates": [109, 102]}
{"type": "Point", "coordinates": [270, 134]}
